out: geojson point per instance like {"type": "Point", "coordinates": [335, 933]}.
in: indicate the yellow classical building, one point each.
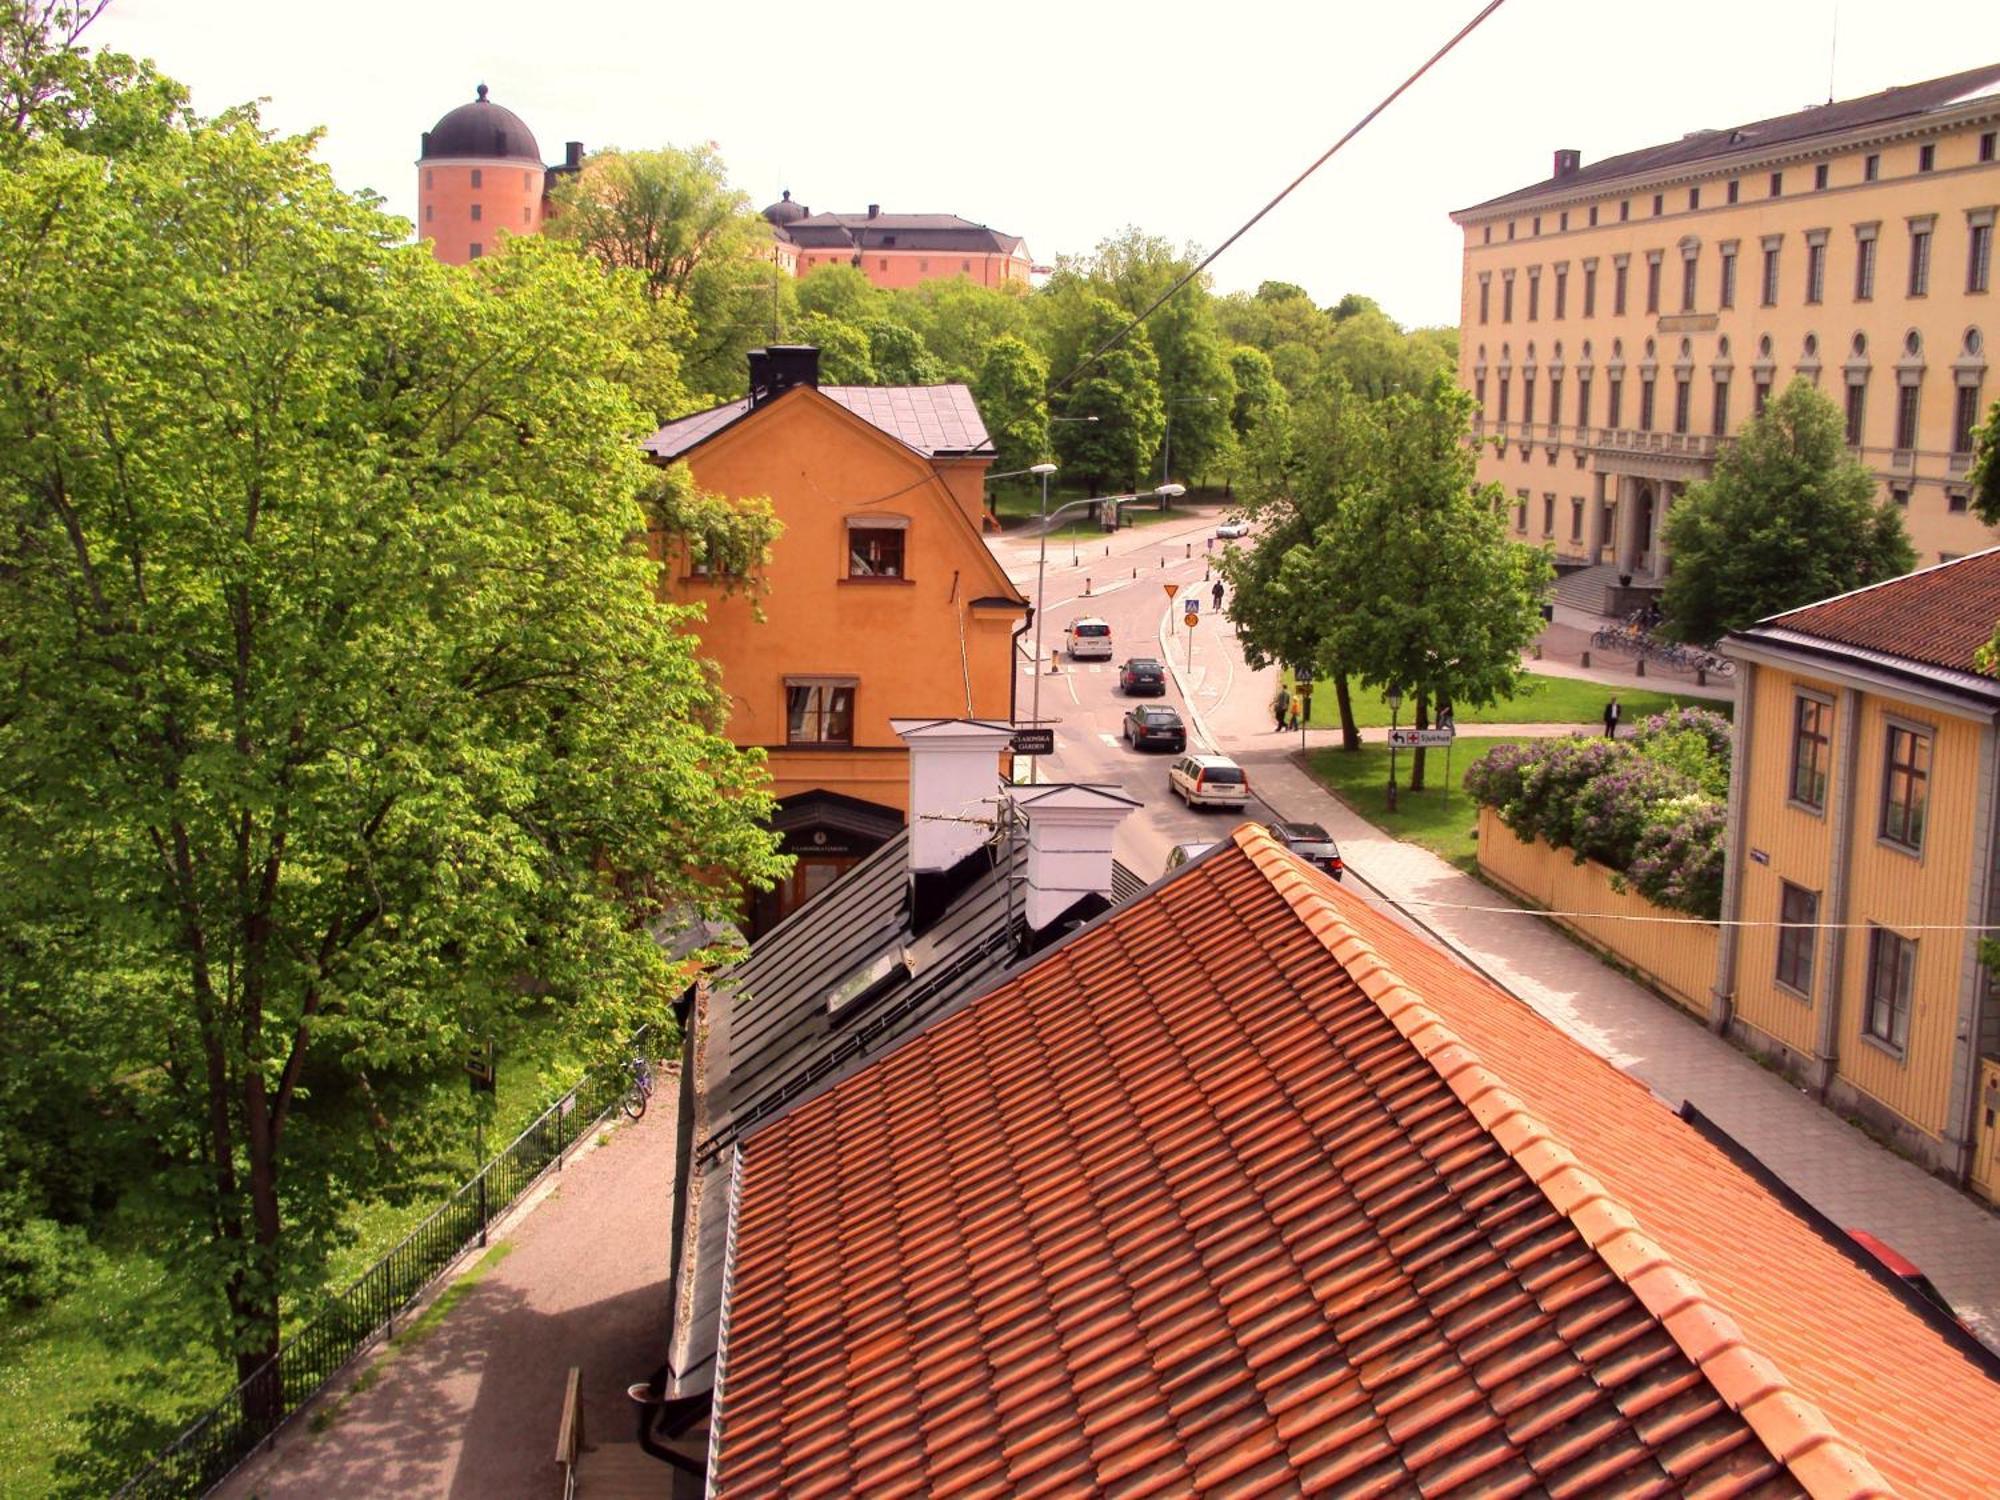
{"type": "Point", "coordinates": [1620, 320]}
{"type": "Point", "coordinates": [1862, 856]}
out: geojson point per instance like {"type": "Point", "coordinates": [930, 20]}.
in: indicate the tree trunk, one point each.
{"type": "Point", "coordinates": [1350, 734]}
{"type": "Point", "coordinates": [1417, 755]}
{"type": "Point", "coordinates": [253, 1295]}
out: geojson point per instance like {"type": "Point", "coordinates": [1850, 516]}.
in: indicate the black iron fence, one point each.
{"type": "Point", "coordinates": [366, 1312]}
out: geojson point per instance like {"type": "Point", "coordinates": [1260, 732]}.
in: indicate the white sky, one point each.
{"type": "Point", "coordinates": [1063, 123]}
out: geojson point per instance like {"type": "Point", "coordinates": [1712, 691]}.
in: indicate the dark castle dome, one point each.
{"type": "Point", "coordinates": [481, 129]}
{"type": "Point", "coordinates": [784, 211]}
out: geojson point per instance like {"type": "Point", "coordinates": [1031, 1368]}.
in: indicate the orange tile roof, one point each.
{"type": "Point", "coordinates": [1245, 1190]}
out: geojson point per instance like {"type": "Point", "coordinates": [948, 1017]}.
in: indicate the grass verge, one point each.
{"type": "Point", "coordinates": [1541, 700]}
{"type": "Point", "coordinates": [1447, 825]}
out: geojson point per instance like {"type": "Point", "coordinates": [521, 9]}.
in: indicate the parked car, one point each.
{"type": "Point", "coordinates": [1154, 725]}
{"type": "Point", "coordinates": [1235, 526]}
{"type": "Point", "coordinates": [1180, 854]}
{"type": "Point", "coordinates": [1209, 781]}
{"type": "Point", "coordinates": [1088, 637]}
{"type": "Point", "coordinates": [1143, 677]}
{"type": "Point", "coordinates": [1311, 843]}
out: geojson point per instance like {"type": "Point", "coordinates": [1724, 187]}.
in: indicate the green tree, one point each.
{"type": "Point", "coordinates": [1011, 395]}
{"type": "Point", "coordinates": [53, 87]}
{"type": "Point", "coordinates": [1789, 516]}
{"type": "Point", "coordinates": [1986, 469]}
{"type": "Point", "coordinates": [1120, 390]}
{"type": "Point", "coordinates": [899, 355]}
{"type": "Point", "coordinates": [961, 320]}
{"type": "Point", "coordinates": [844, 354]}
{"type": "Point", "coordinates": [1377, 358]}
{"type": "Point", "coordinates": [1431, 596]}
{"type": "Point", "coordinates": [345, 721]}
{"type": "Point", "coordinates": [842, 293]}
{"type": "Point", "coordinates": [670, 217]}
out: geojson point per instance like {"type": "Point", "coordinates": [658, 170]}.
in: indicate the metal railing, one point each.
{"type": "Point", "coordinates": [353, 1320]}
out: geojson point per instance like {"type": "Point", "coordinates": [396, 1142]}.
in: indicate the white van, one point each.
{"type": "Point", "coordinates": [1088, 638]}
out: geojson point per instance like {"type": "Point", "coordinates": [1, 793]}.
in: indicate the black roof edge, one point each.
{"type": "Point", "coordinates": [1834, 1234]}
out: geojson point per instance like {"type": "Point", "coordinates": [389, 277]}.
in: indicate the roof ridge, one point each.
{"type": "Point", "coordinates": [1882, 583]}
{"type": "Point", "coordinates": [1791, 1427]}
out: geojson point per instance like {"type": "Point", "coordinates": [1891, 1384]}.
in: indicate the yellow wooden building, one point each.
{"type": "Point", "coordinates": [1862, 858]}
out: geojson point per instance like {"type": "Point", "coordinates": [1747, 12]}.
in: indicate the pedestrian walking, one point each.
{"type": "Point", "coordinates": [1282, 709]}
{"type": "Point", "coordinates": [1294, 721]}
{"type": "Point", "coordinates": [1216, 595]}
{"type": "Point", "coordinates": [1612, 714]}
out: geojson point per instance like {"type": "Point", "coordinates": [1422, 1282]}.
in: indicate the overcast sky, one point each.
{"type": "Point", "coordinates": [1064, 123]}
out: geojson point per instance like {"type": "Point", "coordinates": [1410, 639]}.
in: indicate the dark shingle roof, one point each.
{"type": "Point", "coordinates": [943, 232]}
{"type": "Point", "coordinates": [1938, 617]}
{"type": "Point", "coordinates": [1763, 135]}
{"type": "Point", "coordinates": [482, 130]}
{"type": "Point", "coordinates": [936, 420]}
{"type": "Point", "coordinates": [1244, 1189]}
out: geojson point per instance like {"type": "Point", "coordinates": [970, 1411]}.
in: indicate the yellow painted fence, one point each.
{"type": "Point", "coordinates": [1677, 958]}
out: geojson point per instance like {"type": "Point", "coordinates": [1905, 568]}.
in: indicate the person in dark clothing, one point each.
{"type": "Point", "coordinates": [1612, 714]}
{"type": "Point", "coordinates": [1282, 709]}
{"type": "Point", "coordinates": [1216, 595]}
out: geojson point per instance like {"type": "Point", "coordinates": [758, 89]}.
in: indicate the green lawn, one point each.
{"type": "Point", "coordinates": [84, 1374]}
{"type": "Point", "coordinates": [1018, 507]}
{"type": "Point", "coordinates": [1447, 826]}
{"type": "Point", "coordinates": [1541, 700]}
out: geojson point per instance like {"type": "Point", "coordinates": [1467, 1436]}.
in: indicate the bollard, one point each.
{"type": "Point", "coordinates": [1641, 666]}
{"type": "Point", "coordinates": [1190, 551]}
{"type": "Point", "coordinates": [1135, 572]}
{"type": "Point", "coordinates": [1586, 659]}
{"type": "Point", "coordinates": [1055, 661]}
{"type": "Point", "coordinates": [1086, 586]}
{"type": "Point", "coordinates": [1701, 677]}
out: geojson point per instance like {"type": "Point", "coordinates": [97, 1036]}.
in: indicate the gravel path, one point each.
{"type": "Point", "coordinates": [469, 1411]}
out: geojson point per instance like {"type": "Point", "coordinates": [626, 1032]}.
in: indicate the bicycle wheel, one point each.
{"type": "Point", "coordinates": [634, 1104]}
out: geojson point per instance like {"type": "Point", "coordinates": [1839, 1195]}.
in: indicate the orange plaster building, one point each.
{"type": "Point", "coordinates": [897, 250]}
{"type": "Point", "coordinates": [881, 599]}
{"type": "Point", "coordinates": [479, 174]}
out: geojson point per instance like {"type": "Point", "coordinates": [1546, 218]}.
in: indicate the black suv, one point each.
{"type": "Point", "coordinates": [1311, 843]}
{"type": "Point", "coordinates": [1143, 677]}
{"type": "Point", "coordinates": [1158, 725]}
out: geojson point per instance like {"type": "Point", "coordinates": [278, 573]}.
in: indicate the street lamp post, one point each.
{"type": "Point", "coordinates": [1167, 445]}
{"type": "Point", "coordinates": [1395, 697]}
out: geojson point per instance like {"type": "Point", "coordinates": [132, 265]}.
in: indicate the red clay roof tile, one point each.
{"type": "Point", "coordinates": [1244, 1190]}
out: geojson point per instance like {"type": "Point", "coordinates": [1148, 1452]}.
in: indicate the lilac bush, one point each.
{"type": "Point", "coordinates": [1712, 729]}
{"type": "Point", "coordinates": [1678, 863]}
{"type": "Point", "coordinates": [1613, 810]}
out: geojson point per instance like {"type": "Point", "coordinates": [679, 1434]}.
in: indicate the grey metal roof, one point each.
{"type": "Point", "coordinates": [936, 420]}
{"type": "Point", "coordinates": [1904, 102]}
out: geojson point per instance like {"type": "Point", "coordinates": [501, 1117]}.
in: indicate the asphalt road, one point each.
{"type": "Point", "coordinates": [1119, 578]}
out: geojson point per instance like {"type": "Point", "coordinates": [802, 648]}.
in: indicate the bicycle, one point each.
{"type": "Point", "coordinates": [634, 1103]}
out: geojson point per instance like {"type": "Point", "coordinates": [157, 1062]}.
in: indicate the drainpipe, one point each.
{"type": "Point", "coordinates": [1722, 996]}
{"type": "Point", "coordinates": [1014, 664]}
{"type": "Point", "coordinates": [1830, 976]}
{"type": "Point", "coordinates": [1960, 1118]}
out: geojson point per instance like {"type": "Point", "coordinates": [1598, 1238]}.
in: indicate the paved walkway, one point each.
{"type": "Point", "coordinates": [470, 1409]}
{"type": "Point", "coordinates": [1834, 1166]}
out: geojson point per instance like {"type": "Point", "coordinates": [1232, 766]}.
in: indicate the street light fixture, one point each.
{"type": "Point", "coordinates": [1041, 571]}
{"type": "Point", "coordinates": [1395, 700]}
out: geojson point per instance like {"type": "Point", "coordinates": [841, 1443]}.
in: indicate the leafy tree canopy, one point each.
{"type": "Point", "coordinates": [1012, 400]}
{"type": "Point", "coordinates": [1789, 516]}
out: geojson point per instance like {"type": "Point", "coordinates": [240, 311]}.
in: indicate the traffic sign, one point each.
{"type": "Point", "coordinates": [1192, 604]}
{"type": "Point", "coordinates": [1034, 742]}
{"type": "Point", "coordinates": [1191, 618]}
{"type": "Point", "coordinates": [1421, 739]}
{"type": "Point", "coordinates": [1171, 588]}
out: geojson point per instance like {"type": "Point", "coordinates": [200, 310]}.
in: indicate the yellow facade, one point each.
{"type": "Point", "coordinates": [1914, 1074]}
{"type": "Point", "coordinates": [1883, 281]}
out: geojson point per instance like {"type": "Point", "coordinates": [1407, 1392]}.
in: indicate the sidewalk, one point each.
{"type": "Point", "coordinates": [468, 1408]}
{"type": "Point", "coordinates": [1834, 1166]}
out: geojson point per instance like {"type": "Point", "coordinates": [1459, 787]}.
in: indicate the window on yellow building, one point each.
{"type": "Point", "coordinates": [1816, 267]}
{"type": "Point", "coordinates": [1892, 967]}
{"type": "Point", "coordinates": [1857, 406]}
{"type": "Point", "coordinates": [819, 711]}
{"type": "Point", "coordinates": [1534, 293]}
{"type": "Point", "coordinates": [1548, 513]}
{"type": "Point", "coordinates": [875, 548]}
{"type": "Point", "coordinates": [1616, 402]}
{"type": "Point", "coordinates": [1864, 267]}
{"type": "Point", "coordinates": [1871, 167]}
{"type": "Point", "coordinates": [1920, 257]}
{"type": "Point", "coordinates": [1726, 292]}
{"type": "Point", "coordinates": [1652, 282]}
{"type": "Point", "coordinates": [1819, 175]}
{"type": "Point", "coordinates": [1562, 290]}
{"type": "Point", "coordinates": [1507, 297]}
{"type": "Point", "coordinates": [1583, 401]}
{"type": "Point", "coordinates": [1721, 408]}
{"type": "Point", "coordinates": [1590, 289]}
{"type": "Point", "coordinates": [1979, 251]}
{"type": "Point", "coordinates": [1683, 404]}
{"type": "Point", "coordinates": [1906, 416]}
{"type": "Point", "coordinates": [1798, 933]}
{"type": "Point", "coordinates": [1812, 740]}
{"type": "Point", "coordinates": [1905, 786]}
{"type": "Point", "coordinates": [1618, 290]}
{"type": "Point", "coordinates": [1777, 184]}
{"type": "Point", "coordinates": [1735, 187]}
{"type": "Point", "coordinates": [1485, 299]}
{"type": "Point", "coordinates": [1964, 418]}
{"type": "Point", "coordinates": [1926, 158]}
{"type": "Point", "coordinates": [1645, 404]}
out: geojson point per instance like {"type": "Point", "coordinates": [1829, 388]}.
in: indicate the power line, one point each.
{"type": "Point", "coordinates": [1360, 125]}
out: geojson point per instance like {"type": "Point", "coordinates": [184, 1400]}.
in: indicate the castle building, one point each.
{"type": "Point", "coordinates": [480, 173]}
{"type": "Point", "coordinates": [1620, 321]}
{"type": "Point", "coordinates": [896, 250]}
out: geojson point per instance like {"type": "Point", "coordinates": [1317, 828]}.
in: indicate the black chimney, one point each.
{"type": "Point", "coordinates": [775, 370]}
{"type": "Point", "coordinates": [1567, 162]}
{"type": "Point", "coordinates": [874, 209]}
{"type": "Point", "coordinates": [427, 145]}
{"type": "Point", "coordinates": [573, 154]}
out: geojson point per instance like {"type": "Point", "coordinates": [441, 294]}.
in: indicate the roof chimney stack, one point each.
{"type": "Point", "coordinates": [1069, 846]}
{"type": "Point", "coordinates": [954, 777]}
{"type": "Point", "coordinates": [775, 370]}
{"type": "Point", "coordinates": [1567, 163]}
{"type": "Point", "coordinates": [874, 209]}
{"type": "Point", "coordinates": [573, 154]}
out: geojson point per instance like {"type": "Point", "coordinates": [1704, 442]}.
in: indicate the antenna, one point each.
{"type": "Point", "coordinates": [1832, 51]}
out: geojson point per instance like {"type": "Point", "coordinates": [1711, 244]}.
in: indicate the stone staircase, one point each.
{"type": "Point", "coordinates": [1584, 589]}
